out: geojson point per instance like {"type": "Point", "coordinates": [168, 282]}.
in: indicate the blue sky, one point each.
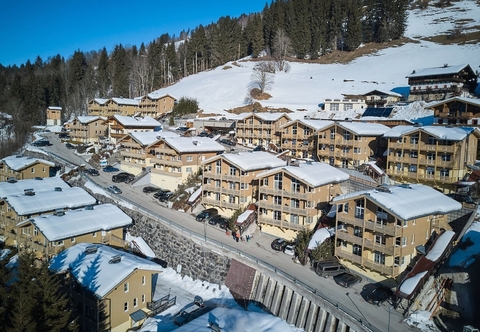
{"type": "Point", "coordinates": [50, 27]}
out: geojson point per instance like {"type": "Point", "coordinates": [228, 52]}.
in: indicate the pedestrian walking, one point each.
{"type": "Point", "coordinates": [238, 236]}
{"type": "Point", "coordinates": [248, 237]}
{"type": "Point", "coordinates": [234, 235]}
{"type": "Point", "coordinates": [260, 228]}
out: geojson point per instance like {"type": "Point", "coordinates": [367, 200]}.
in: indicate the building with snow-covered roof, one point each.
{"type": "Point", "coordinates": [291, 197]}
{"type": "Point", "coordinates": [381, 98]}
{"type": "Point", "coordinates": [437, 156]}
{"type": "Point", "coordinates": [121, 125]}
{"type": "Point", "coordinates": [343, 105]}
{"type": "Point", "coordinates": [14, 187]}
{"type": "Point", "coordinates": [156, 105]}
{"type": "Point", "coordinates": [380, 229]}
{"type": "Point", "coordinates": [298, 137]}
{"type": "Point", "coordinates": [87, 128]}
{"type": "Point", "coordinates": [174, 159]}
{"type": "Point", "coordinates": [24, 167]}
{"type": "Point", "coordinates": [456, 111]}
{"type": "Point", "coordinates": [113, 287]}
{"type": "Point", "coordinates": [439, 83]}
{"type": "Point", "coordinates": [111, 106]}
{"type": "Point", "coordinates": [49, 234]}
{"type": "Point", "coordinates": [350, 144]}
{"type": "Point", "coordinates": [54, 116]}
{"type": "Point", "coordinates": [229, 180]}
{"type": "Point", "coordinates": [260, 128]}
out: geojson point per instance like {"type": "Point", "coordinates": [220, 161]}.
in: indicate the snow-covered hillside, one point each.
{"type": "Point", "coordinates": [307, 85]}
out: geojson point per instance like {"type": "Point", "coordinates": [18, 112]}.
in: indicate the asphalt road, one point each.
{"type": "Point", "coordinates": [382, 318]}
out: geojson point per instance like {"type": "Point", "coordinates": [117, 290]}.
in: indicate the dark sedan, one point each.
{"type": "Point", "coordinates": [93, 172]}
{"type": "Point", "coordinates": [378, 295]}
{"type": "Point", "coordinates": [217, 220]}
{"type": "Point", "coordinates": [150, 189]}
{"type": "Point", "coordinates": [347, 279]}
{"type": "Point", "coordinates": [279, 244]}
{"type": "Point", "coordinates": [110, 168]}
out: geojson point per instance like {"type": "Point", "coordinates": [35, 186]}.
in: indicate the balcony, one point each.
{"type": "Point", "coordinates": [166, 162]}
{"type": "Point", "coordinates": [282, 224]}
{"type": "Point", "coordinates": [390, 250]}
{"type": "Point", "coordinates": [379, 228]}
{"type": "Point", "coordinates": [342, 235]}
{"type": "Point", "coordinates": [383, 269]}
{"type": "Point", "coordinates": [165, 172]}
{"type": "Point", "coordinates": [283, 193]}
{"type": "Point", "coordinates": [133, 154]}
{"type": "Point", "coordinates": [282, 208]}
{"type": "Point", "coordinates": [222, 204]}
{"type": "Point", "coordinates": [446, 148]}
{"type": "Point", "coordinates": [165, 151]}
{"type": "Point", "coordinates": [130, 145]}
{"type": "Point", "coordinates": [348, 256]}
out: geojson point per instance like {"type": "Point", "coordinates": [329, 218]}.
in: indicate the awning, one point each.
{"type": "Point", "coordinates": [138, 315]}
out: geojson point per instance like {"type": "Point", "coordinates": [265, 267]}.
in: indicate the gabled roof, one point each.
{"type": "Point", "coordinates": [267, 116]}
{"type": "Point", "coordinates": [250, 161]}
{"type": "Point", "coordinates": [73, 223]}
{"type": "Point", "coordinates": [145, 138]}
{"type": "Point", "coordinates": [156, 96]}
{"type": "Point", "coordinates": [18, 163]}
{"type": "Point", "coordinates": [444, 70]}
{"type": "Point", "coordinates": [125, 101]}
{"type": "Point", "coordinates": [95, 272]}
{"type": "Point", "coordinates": [314, 124]}
{"type": "Point", "coordinates": [406, 202]}
{"type": "Point", "coordinates": [89, 118]}
{"type": "Point", "coordinates": [193, 144]}
{"type": "Point", "coordinates": [315, 174]}
{"type": "Point", "coordinates": [43, 201]}
{"type": "Point", "coordinates": [439, 132]}
{"type": "Point", "coordinates": [364, 128]}
{"type": "Point", "coordinates": [466, 100]}
{"type": "Point", "coordinates": [139, 121]}
{"type": "Point", "coordinates": [37, 185]}
{"type": "Point", "coordinates": [100, 101]}
{"type": "Point", "coordinates": [55, 108]}
{"type": "Point", "coordinates": [382, 92]}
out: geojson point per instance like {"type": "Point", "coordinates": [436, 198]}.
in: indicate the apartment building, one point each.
{"type": "Point", "coordinates": [381, 98]}
{"type": "Point", "coordinates": [230, 180]}
{"type": "Point", "coordinates": [54, 116]}
{"type": "Point", "coordinates": [109, 107]}
{"type": "Point", "coordinates": [110, 288]}
{"type": "Point", "coordinates": [156, 105]}
{"type": "Point", "coordinates": [456, 111]}
{"type": "Point", "coordinates": [436, 156]}
{"type": "Point", "coordinates": [174, 159]}
{"type": "Point", "coordinates": [120, 125]}
{"type": "Point", "coordinates": [23, 167]}
{"type": "Point", "coordinates": [378, 230]}
{"type": "Point", "coordinates": [342, 105]}
{"type": "Point", "coordinates": [20, 206]}
{"type": "Point", "coordinates": [87, 129]}
{"type": "Point", "coordinates": [299, 137]}
{"type": "Point", "coordinates": [440, 83]}
{"type": "Point", "coordinates": [350, 144]}
{"type": "Point", "coordinates": [291, 197]}
{"type": "Point", "coordinates": [259, 128]}
{"type": "Point", "coordinates": [49, 234]}
{"type": "Point", "coordinates": [133, 150]}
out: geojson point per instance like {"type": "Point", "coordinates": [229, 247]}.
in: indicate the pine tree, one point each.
{"type": "Point", "coordinates": [102, 74]}
{"type": "Point", "coordinates": [5, 277]}
{"type": "Point", "coordinates": [353, 26]}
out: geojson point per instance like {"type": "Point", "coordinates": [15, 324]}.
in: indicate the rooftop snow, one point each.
{"type": "Point", "coordinates": [56, 108]}
{"type": "Point", "coordinates": [44, 201]}
{"type": "Point", "coordinates": [126, 101]}
{"type": "Point", "coordinates": [315, 124]}
{"type": "Point", "coordinates": [440, 132]}
{"type": "Point", "coordinates": [244, 216]}
{"type": "Point", "coordinates": [193, 144]}
{"type": "Point", "coordinates": [102, 217]}
{"type": "Point", "coordinates": [101, 101]}
{"type": "Point", "coordinates": [89, 118]}
{"type": "Point", "coordinates": [384, 92]}
{"type": "Point", "coordinates": [250, 161]}
{"type": "Point", "coordinates": [130, 121]}
{"type": "Point", "coordinates": [444, 70]}
{"type": "Point", "coordinates": [270, 116]}
{"type": "Point", "coordinates": [441, 243]}
{"type": "Point", "coordinates": [315, 174]}
{"type": "Point", "coordinates": [409, 285]}
{"type": "Point", "coordinates": [19, 187]}
{"type": "Point", "coordinates": [139, 243]}
{"type": "Point", "coordinates": [472, 101]}
{"type": "Point", "coordinates": [146, 138]}
{"type": "Point", "coordinates": [94, 272]}
{"type": "Point", "coordinates": [409, 202]}
{"type": "Point", "coordinates": [365, 128]}
{"type": "Point", "coordinates": [318, 238]}
{"type": "Point", "coordinates": [18, 163]}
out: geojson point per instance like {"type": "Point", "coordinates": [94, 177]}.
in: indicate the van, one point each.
{"type": "Point", "coordinates": [329, 268]}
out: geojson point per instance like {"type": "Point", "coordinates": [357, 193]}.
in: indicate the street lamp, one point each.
{"type": "Point", "coordinates": [205, 230]}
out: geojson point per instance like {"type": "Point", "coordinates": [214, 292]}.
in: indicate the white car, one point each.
{"type": "Point", "coordinates": [289, 250]}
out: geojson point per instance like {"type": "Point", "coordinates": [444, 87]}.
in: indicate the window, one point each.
{"type": "Point", "coordinates": [33, 170]}
{"type": "Point", "coordinates": [125, 306]}
{"type": "Point", "coordinates": [233, 170]}
{"type": "Point", "coordinates": [189, 158]}
{"type": "Point", "coordinates": [357, 250]}
{"type": "Point", "coordinates": [357, 150]}
{"type": "Point", "coordinates": [143, 280]}
{"type": "Point", "coordinates": [277, 215]}
{"type": "Point", "coordinates": [294, 129]}
{"type": "Point", "coordinates": [217, 183]}
{"type": "Point", "coordinates": [381, 216]}
{"type": "Point", "coordinates": [334, 107]}
{"type": "Point", "coordinates": [414, 139]}
{"type": "Point", "coordinates": [446, 157]}
{"type": "Point", "coordinates": [332, 133]}
{"type": "Point", "coordinates": [413, 238]}
{"type": "Point", "coordinates": [59, 243]}
{"type": "Point", "coordinates": [125, 287]}
{"type": "Point", "coordinates": [243, 185]}
{"type": "Point", "coordinates": [401, 241]}
{"type": "Point", "coordinates": [399, 261]}
{"type": "Point", "coordinates": [277, 200]}
{"type": "Point", "coordinates": [295, 185]}
{"type": "Point", "coordinates": [345, 208]}
{"type": "Point", "coordinates": [231, 185]}
{"type": "Point", "coordinates": [218, 166]}
{"type": "Point", "coordinates": [143, 298]}
{"type": "Point", "coordinates": [188, 170]}
{"type": "Point", "coordinates": [294, 218]}
{"type": "Point", "coordinates": [306, 131]}
{"type": "Point", "coordinates": [135, 302]}
{"type": "Point", "coordinates": [72, 239]}
{"type": "Point", "coordinates": [357, 231]}
{"type": "Point", "coordinates": [359, 208]}
{"type": "Point", "coordinates": [295, 203]}
{"type": "Point", "coordinates": [379, 239]}
{"type": "Point", "coordinates": [94, 234]}
{"type": "Point", "coordinates": [35, 231]}
{"type": "Point", "coordinates": [413, 154]}
{"type": "Point", "coordinates": [412, 168]}
{"type": "Point", "coordinates": [348, 106]}
{"type": "Point", "coordinates": [379, 257]}
{"type": "Point", "coordinates": [346, 136]}
{"type": "Point", "coordinates": [265, 182]}
{"type": "Point", "coordinates": [277, 181]}
{"type": "Point", "coordinates": [444, 172]}
{"type": "Point", "coordinates": [432, 140]}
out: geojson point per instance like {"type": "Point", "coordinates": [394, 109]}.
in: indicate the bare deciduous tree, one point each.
{"type": "Point", "coordinates": [262, 77]}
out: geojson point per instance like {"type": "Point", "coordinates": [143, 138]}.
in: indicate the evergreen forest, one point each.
{"type": "Point", "coordinates": [285, 29]}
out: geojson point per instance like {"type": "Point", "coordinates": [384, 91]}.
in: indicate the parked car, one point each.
{"type": "Point", "coordinates": [289, 250]}
{"type": "Point", "coordinates": [227, 142]}
{"type": "Point", "coordinates": [160, 193]}
{"type": "Point", "coordinates": [93, 172]}
{"type": "Point", "coordinates": [329, 268]}
{"type": "Point", "coordinates": [206, 214]}
{"type": "Point", "coordinates": [217, 220]}
{"type": "Point", "coordinates": [165, 197]}
{"type": "Point", "coordinates": [279, 244]}
{"type": "Point", "coordinates": [114, 189]}
{"type": "Point", "coordinates": [378, 295]}
{"type": "Point", "coordinates": [69, 146]}
{"type": "Point", "coordinates": [347, 279]}
{"type": "Point", "coordinates": [150, 189]}
{"type": "Point", "coordinates": [462, 198]}
{"type": "Point", "coordinates": [123, 177]}
{"type": "Point", "coordinates": [110, 169]}
{"type": "Point", "coordinates": [42, 142]}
